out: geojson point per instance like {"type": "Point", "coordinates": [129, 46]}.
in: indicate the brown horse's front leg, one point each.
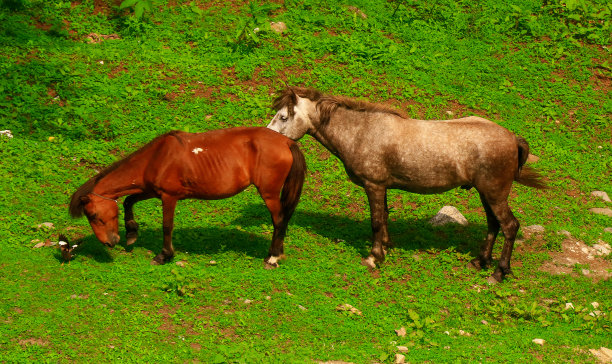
{"type": "Point", "coordinates": [377, 196]}
{"type": "Point", "coordinates": [167, 253]}
{"type": "Point", "coordinates": [131, 226]}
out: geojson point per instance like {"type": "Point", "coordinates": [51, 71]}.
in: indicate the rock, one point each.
{"type": "Point", "coordinates": [400, 358]}
{"type": "Point", "coordinates": [181, 263]}
{"type": "Point", "coordinates": [402, 349]}
{"type": "Point", "coordinates": [604, 355]}
{"type": "Point", "coordinates": [356, 10]}
{"type": "Point", "coordinates": [534, 229]}
{"type": "Point", "coordinates": [601, 194]}
{"type": "Point", "coordinates": [484, 322]}
{"type": "Point", "coordinates": [448, 214]}
{"type": "Point", "coordinates": [401, 332]}
{"type": "Point", "coordinates": [601, 211]}
{"type": "Point", "coordinates": [349, 308]}
{"type": "Point", "coordinates": [247, 301]}
{"type": "Point", "coordinates": [532, 158]}
{"type": "Point", "coordinates": [538, 341]}
{"type": "Point", "coordinates": [6, 133]}
{"type": "Point", "coordinates": [565, 232]}
{"type": "Point", "coordinates": [595, 304]}
{"type": "Point", "coordinates": [608, 230]}
{"type": "Point", "coordinates": [302, 308]}
{"type": "Point", "coordinates": [602, 248]}
{"type": "Point", "coordinates": [586, 272]}
{"type": "Point", "coordinates": [278, 27]}
{"type": "Point", "coordinates": [464, 333]}
{"type": "Point", "coordinates": [569, 305]}
{"type": "Point", "coordinates": [48, 225]}
{"type": "Point", "coordinates": [449, 113]}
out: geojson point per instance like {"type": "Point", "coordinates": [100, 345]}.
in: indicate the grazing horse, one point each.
{"type": "Point", "coordinates": [381, 148]}
{"type": "Point", "coordinates": [212, 165]}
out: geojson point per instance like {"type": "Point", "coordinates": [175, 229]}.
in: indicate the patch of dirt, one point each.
{"type": "Point", "coordinates": [33, 341]}
{"type": "Point", "coordinates": [575, 253]}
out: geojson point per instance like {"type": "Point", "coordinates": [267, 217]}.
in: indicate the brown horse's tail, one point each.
{"type": "Point", "coordinates": [526, 175]}
{"type": "Point", "coordinates": [292, 188]}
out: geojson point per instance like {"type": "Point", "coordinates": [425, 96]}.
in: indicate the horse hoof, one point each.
{"type": "Point", "coordinates": [131, 240]}
{"type": "Point", "coordinates": [270, 265]}
{"type": "Point", "coordinates": [369, 262]}
{"type": "Point", "coordinates": [160, 259]}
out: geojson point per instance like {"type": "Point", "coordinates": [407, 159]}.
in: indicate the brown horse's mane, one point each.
{"type": "Point", "coordinates": [328, 104]}
{"type": "Point", "coordinates": [76, 208]}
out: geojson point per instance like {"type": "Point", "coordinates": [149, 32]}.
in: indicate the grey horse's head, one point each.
{"type": "Point", "coordinates": [296, 112]}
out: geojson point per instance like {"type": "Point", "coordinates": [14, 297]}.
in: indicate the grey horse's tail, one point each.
{"type": "Point", "coordinates": [526, 175]}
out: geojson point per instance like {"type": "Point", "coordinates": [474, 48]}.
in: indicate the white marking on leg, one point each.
{"type": "Point", "coordinates": [197, 150]}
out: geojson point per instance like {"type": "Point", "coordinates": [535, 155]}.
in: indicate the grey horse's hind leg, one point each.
{"type": "Point", "coordinates": [484, 258]}
{"type": "Point", "coordinates": [509, 225]}
{"type": "Point", "coordinates": [380, 234]}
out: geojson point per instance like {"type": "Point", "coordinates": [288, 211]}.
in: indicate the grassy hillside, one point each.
{"type": "Point", "coordinates": [84, 83]}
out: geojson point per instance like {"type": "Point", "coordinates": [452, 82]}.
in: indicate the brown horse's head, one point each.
{"type": "Point", "coordinates": [102, 213]}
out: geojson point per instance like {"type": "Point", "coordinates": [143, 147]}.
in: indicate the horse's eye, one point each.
{"type": "Point", "coordinates": [283, 118]}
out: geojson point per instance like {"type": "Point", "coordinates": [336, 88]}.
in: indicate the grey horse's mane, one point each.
{"type": "Point", "coordinates": [328, 104]}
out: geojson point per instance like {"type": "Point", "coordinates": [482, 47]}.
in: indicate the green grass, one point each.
{"type": "Point", "coordinates": [540, 69]}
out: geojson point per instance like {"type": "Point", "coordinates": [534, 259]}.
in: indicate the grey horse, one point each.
{"type": "Point", "coordinates": [381, 148]}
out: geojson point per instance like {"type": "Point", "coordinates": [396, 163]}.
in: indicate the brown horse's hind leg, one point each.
{"type": "Point", "coordinates": [131, 226]}
{"type": "Point", "coordinates": [167, 253]}
{"type": "Point", "coordinates": [509, 225]}
{"type": "Point", "coordinates": [377, 196]}
{"type": "Point", "coordinates": [276, 251]}
{"type": "Point", "coordinates": [484, 258]}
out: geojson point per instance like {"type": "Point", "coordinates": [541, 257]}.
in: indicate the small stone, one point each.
{"type": "Point", "coordinates": [181, 263]}
{"type": "Point", "coordinates": [601, 194]}
{"type": "Point", "coordinates": [400, 358]}
{"type": "Point", "coordinates": [448, 214]}
{"type": "Point", "coordinates": [48, 225]}
{"type": "Point", "coordinates": [247, 301]}
{"type": "Point", "coordinates": [268, 298]}
{"type": "Point", "coordinates": [402, 349]}
{"type": "Point", "coordinates": [484, 322]}
{"type": "Point", "coordinates": [538, 341]}
{"type": "Point", "coordinates": [278, 27]}
{"type": "Point", "coordinates": [464, 333]}
{"type": "Point", "coordinates": [586, 272]}
{"type": "Point", "coordinates": [347, 307]}
{"type": "Point", "coordinates": [401, 332]}
{"type": "Point", "coordinates": [532, 158]}
{"type": "Point", "coordinates": [302, 308]}
{"type": "Point", "coordinates": [602, 248]}
{"type": "Point", "coordinates": [6, 133]}
{"type": "Point", "coordinates": [565, 232]}
{"type": "Point", "coordinates": [608, 230]}
{"type": "Point", "coordinates": [534, 229]}
{"type": "Point", "coordinates": [447, 332]}
{"type": "Point", "coordinates": [212, 262]}
{"type": "Point", "coordinates": [449, 113]}
{"type": "Point", "coordinates": [595, 304]}
{"type": "Point", "coordinates": [569, 306]}
{"type": "Point", "coordinates": [601, 211]}
{"type": "Point", "coordinates": [604, 355]}
{"type": "Point", "coordinates": [595, 313]}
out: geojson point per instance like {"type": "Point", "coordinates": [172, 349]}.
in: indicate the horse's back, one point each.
{"type": "Point", "coordinates": [218, 163]}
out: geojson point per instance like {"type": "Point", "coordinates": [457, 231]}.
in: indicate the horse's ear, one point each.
{"type": "Point", "coordinates": [294, 96]}
{"type": "Point", "coordinates": [84, 199]}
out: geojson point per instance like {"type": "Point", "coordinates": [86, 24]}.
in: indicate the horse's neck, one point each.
{"type": "Point", "coordinates": [338, 134]}
{"type": "Point", "coordinates": [126, 179]}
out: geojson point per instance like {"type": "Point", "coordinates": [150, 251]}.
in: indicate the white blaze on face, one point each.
{"type": "Point", "coordinates": [197, 150]}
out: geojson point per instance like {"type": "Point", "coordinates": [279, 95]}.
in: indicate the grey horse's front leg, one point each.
{"type": "Point", "coordinates": [377, 196]}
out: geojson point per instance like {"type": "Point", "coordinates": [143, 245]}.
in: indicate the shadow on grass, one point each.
{"type": "Point", "coordinates": [406, 234]}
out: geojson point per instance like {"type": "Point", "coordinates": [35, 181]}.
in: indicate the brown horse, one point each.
{"type": "Point", "coordinates": [381, 148]}
{"type": "Point", "coordinates": [212, 165]}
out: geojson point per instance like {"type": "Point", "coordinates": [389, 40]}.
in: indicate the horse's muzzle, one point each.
{"type": "Point", "coordinates": [114, 239]}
